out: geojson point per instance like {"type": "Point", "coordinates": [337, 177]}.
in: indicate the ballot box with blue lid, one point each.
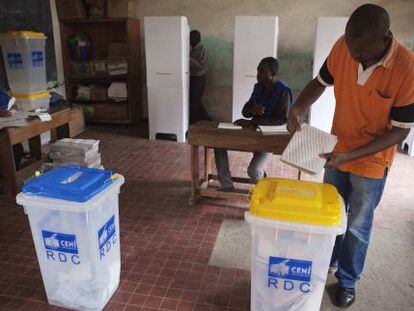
{"type": "Point", "coordinates": [74, 218]}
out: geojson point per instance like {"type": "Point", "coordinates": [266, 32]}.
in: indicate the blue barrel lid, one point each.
{"type": "Point", "coordinates": [70, 183]}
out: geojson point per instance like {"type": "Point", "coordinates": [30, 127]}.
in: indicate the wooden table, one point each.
{"type": "Point", "coordinates": [11, 178]}
{"type": "Point", "coordinates": [207, 135]}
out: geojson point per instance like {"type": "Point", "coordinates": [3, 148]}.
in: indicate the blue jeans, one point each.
{"type": "Point", "coordinates": [361, 195]}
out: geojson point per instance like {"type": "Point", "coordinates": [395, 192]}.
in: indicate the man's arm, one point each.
{"type": "Point", "coordinates": [392, 137]}
{"type": "Point", "coordinates": [312, 91]}
{"type": "Point", "coordinates": [194, 64]}
{"type": "Point", "coordinates": [247, 110]}
{"type": "Point", "coordinates": [198, 62]}
{"type": "Point", "coordinates": [280, 111]}
{"type": "Point", "coordinates": [251, 108]}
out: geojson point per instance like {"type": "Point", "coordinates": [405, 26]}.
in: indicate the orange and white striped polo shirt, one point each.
{"type": "Point", "coordinates": [369, 102]}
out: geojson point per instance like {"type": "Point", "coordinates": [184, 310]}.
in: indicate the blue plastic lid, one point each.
{"type": "Point", "coordinates": [70, 183]}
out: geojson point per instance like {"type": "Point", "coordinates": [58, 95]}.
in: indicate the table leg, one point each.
{"type": "Point", "coordinates": [195, 174]}
{"type": "Point", "coordinates": [63, 131]}
{"type": "Point", "coordinates": [35, 147]}
{"type": "Point", "coordinates": [207, 163]}
{"type": "Point", "coordinates": [7, 167]}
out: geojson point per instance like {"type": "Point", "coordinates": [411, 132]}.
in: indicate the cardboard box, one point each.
{"type": "Point", "coordinates": [116, 49]}
{"type": "Point", "coordinates": [67, 9]}
{"type": "Point", "coordinates": [122, 8]}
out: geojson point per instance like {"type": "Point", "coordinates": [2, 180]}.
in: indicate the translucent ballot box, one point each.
{"type": "Point", "coordinates": [24, 58]}
{"type": "Point", "coordinates": [73, 215]}
{"type": "Point", "coordinates": [294, 225]}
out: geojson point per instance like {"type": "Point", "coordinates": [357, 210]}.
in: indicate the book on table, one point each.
{"type": "Point", "coordinates": [229, 126]}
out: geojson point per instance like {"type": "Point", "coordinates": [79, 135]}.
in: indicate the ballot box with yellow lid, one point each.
{"type": "Point", "coordinates": [294, 225]}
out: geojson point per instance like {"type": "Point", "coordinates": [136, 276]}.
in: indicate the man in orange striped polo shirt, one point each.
{"type": "Point", "coordinates": [373, 79]}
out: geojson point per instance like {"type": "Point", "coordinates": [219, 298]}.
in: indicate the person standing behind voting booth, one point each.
{"type": "Point", "coordinates": [198, 69]}
{"type": "Point", "coordinates": [269, 104]}
{"type": "Point", "coordinates": [373, 78]}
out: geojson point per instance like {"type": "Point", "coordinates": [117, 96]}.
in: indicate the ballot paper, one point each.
{"type": "Point", "coordinates": [272, 129]}
{"type": "Point", "coordinates": [11, 103]}
{"type": "Point", "coordinates": [229, 126]}
{"type": "Point", "coordinates": [44, 117]}
{"type": "Point", "coordinates": [305, 147]}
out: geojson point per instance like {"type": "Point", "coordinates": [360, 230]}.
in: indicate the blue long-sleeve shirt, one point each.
{"type": "Point", "coordinates": [276, 104]}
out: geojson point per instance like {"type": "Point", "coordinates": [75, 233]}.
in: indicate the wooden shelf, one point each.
{"type": "Point", "coordinates": [91, 102]}
{"type": "Point", "coordinates": [101, 33]}
{"type": "Point", "coordinates": [96, 79]}
{"type": "Point", "coordinates": [109, 120]}
{"type": "Point", "coordinates": [93, 20]}
{"type": "Point", "coordinates": [119, 113]}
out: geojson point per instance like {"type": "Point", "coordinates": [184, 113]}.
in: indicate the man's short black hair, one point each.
{"type": "Point", "coordinates": [369, 19]}
{"type": "Point", "coordinates": [195, 35]}
{"type": "Point", "coordinates": [271, 63]}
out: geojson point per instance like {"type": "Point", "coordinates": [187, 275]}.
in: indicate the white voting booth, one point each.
{"type": "Point", "coordinates": [328, 31]}
{"type": "Point", "coordinates": [255, 37]}
{"type": "Point", "coordinates": [167, 48]}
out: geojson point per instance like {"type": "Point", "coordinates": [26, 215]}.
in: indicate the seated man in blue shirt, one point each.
{"type": "Point", "coordinates": [268, 105]}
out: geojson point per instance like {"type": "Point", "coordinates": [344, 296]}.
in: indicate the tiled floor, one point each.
{"type": "Point", "coordinates": [166, 245]}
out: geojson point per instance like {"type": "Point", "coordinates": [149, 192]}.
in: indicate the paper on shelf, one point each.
{"type": "Point", "coordinates": [118, 91]}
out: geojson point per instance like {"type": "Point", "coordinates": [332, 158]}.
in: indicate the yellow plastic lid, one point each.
{"type": "Point", "coordinates": [32, 95]}
{"type": "Point", "coordinates": [296, 201]}
{"type": "Point", "coordinates": [15, 34]}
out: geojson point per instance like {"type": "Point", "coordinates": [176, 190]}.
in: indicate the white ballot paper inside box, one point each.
{"type": "Point", "coordinates": [305, 147]}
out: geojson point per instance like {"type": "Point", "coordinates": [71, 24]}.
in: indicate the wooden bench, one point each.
{"type": "Point", "coordinates": [207, 134]}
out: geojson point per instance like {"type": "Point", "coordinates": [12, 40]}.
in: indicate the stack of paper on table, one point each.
{"type": "Point", "coordinates": [305, 147]}
{"type": "Point", "coordinates": [273, 129]}
{"type": "Point", "coordinates": [17, 119]}
{"type": "Point", "coordinates": [229, 126]}
{"type": "Point", "coordinates": [82, 152]}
